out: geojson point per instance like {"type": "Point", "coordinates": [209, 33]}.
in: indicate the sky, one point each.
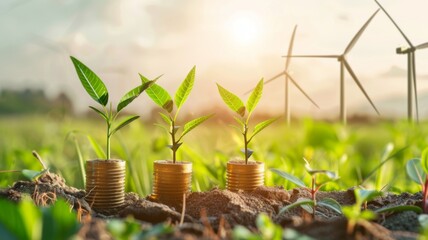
{"type": "Point", "coordinates": [231, 42]}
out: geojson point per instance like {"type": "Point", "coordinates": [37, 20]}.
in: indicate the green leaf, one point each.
{"type": "Point", "coordinates": [32, 174]}
{"type": "Point", "coordinates": [15, 222]}
{"type": "Point", "coordinates": [103, 115]}
{"type": "Point", "coordinates": [185, 88]}
{"type": "Point", "coordinates": [93, 85]}
{"type": "Point", "coordinates": [399, 208]}
{"type": "Point", "coordinates": [351, 212]}
{"type": "Point", "coordinates": [128, 228]}
{"type": "Point", "coordinates": [259, 127]}
{"type": "Point", "coordinates": [59, 221]}
{"type": "Point", "coordinates": [231, 100]}
{"type": "Point", "coordinates": [158, 95]}
{"type": "Point", "coordinates": [97, 148]}
{"type": "Point", "coordinates": [414, 171]}
{"type": "Point", "coordinates": [289, 177]}
{"type": "Point", "coordinates": [267, 228]}
{"type": "Point", "coordinates": [368, 215]}
{"type": "Point", "coordinates": [166, 118]}
{"type": "Point", "coordinates": [133, 94]}
{"type": "Point", "coordinates": [325, 177]}
{"type": "Point", "coordinates": [298, 202]}
{"type": "Point", "coordinates": [157, 231]}
{"type": "Point", "coordinates": [331, 203]}
{"type": "Point", "coordinates": [375, 170]}
{"type": "Point", "coordinates": [240, 233]}
{"type": "Point", "coordinates": [123, 123]}
{"type": "Point", "coordinates": [194, 123]}
{"type": "Point", "coordinates": [362, 195]}
{"type": "Point", "coordinates": [255, 96]}
{"type": "Point", "coordinates": [308, 208]}
{"type": "Point", "coordinates": [424, 160]}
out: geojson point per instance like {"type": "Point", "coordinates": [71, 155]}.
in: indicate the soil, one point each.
{"type": "Point", "coordinates": [213, 214]}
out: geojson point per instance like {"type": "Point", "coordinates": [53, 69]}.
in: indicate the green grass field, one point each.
{"type": "Point", "coordinates": [354, 152]}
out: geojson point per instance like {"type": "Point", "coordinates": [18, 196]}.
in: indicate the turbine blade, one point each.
{"type": "Point", "coordinates": [395, 24]}
{"type": "Point", "coordinates": [290, 48]}
{"type": "Point", "coordinates": [267, 81]}
{"type": "Point", "coordinates": [311, 56]}
{"type": "Point", "coordinates": [274, 77]}
{"type": "Point", "coordinates": [301, 90]}
{"type": "Point", "coordinates": [422, 46]}
{"type": "Point", "coordinates": [414, 86]}
{"type": "Point", "coordinates": [359, 33]}
{"type": "Point", "coordinates": [359, 84]}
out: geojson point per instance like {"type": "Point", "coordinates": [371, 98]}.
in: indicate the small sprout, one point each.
{"type": "Point", "coordinates": [267, 229]}
{"type": "Point", "coordinates": [237, 105]}
{"type": "Point", "coordinates": [354, 214]}
{"type": "Point", "coordinates": [96, 88]}
{"type": "Point", "coordinates": [162, 98]}
{"type": "Point", "coordinates": [319, 178]}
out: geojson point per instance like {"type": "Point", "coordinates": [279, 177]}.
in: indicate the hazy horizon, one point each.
{"type": "Point", "coordinates": [234, 43]}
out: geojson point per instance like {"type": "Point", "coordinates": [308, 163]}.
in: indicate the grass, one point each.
{"type": "Point", "coordinates": [354, 151]}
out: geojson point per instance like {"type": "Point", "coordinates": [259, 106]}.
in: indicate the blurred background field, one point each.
{"type": "Point", "coordinates": [354, 151]}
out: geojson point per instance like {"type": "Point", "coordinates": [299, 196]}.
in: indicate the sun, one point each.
{"type": "Point", "coordinates": [244, 27]}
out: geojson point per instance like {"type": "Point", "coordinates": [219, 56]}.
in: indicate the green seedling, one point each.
{"type": "Point", "coordinates": [131, 228]}
{"type": "Point", "coordinates": [244, 114]}
{"type": "Point", "coordinates": [267, 229]}
{"type": "Point", "coordinates": [355, 214]}
{"type": "Point", "coordinates": [97, 90]}
{"type": "Point", "coordinates": [162, 98]}
{"type": "Point", "coordinates": [417, 170]}
{"type": "Point", "coordinates": [319, 178]}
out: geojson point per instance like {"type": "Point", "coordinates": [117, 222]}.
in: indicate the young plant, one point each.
{"type": "Point", "coordinates": [244, 114]}
{"type": "Point", "coordinates": [417, 170]}
{"type": "Point", "coordinates": [162, 98]}
{"type": "Point", "coordinates": [355, 214]}
{"type": "Point", "coordinates": [318, 179]}
{"type": "Point", "coordinates": [359, 214]}
{"type": "Point", "coordinates": [96, 88]}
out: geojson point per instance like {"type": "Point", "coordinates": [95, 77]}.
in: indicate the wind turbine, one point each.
{"type": "Point", "coordinates": [344, 64]}
{"type": "Point", "coordinates": [411, 68]}
{"type": "Point", "coordinates": [289, 78]}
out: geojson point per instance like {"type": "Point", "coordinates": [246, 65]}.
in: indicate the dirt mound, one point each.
{"type": "Point", "coordinates": [214, 213]}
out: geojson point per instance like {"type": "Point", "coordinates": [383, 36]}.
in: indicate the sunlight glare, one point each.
{"type": "Point", "coordinates": [244, 27]}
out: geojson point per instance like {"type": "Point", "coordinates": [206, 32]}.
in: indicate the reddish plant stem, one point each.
{"type": "Point", "coordinates": [425, 195]}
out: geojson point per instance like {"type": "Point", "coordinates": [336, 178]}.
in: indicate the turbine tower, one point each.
{"type": "Point", "coordinates": [344, 64]}
{"type": "Point", "coordinates": [411, 68]}
{"type": "Point", "coordinates": [289, 78]}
